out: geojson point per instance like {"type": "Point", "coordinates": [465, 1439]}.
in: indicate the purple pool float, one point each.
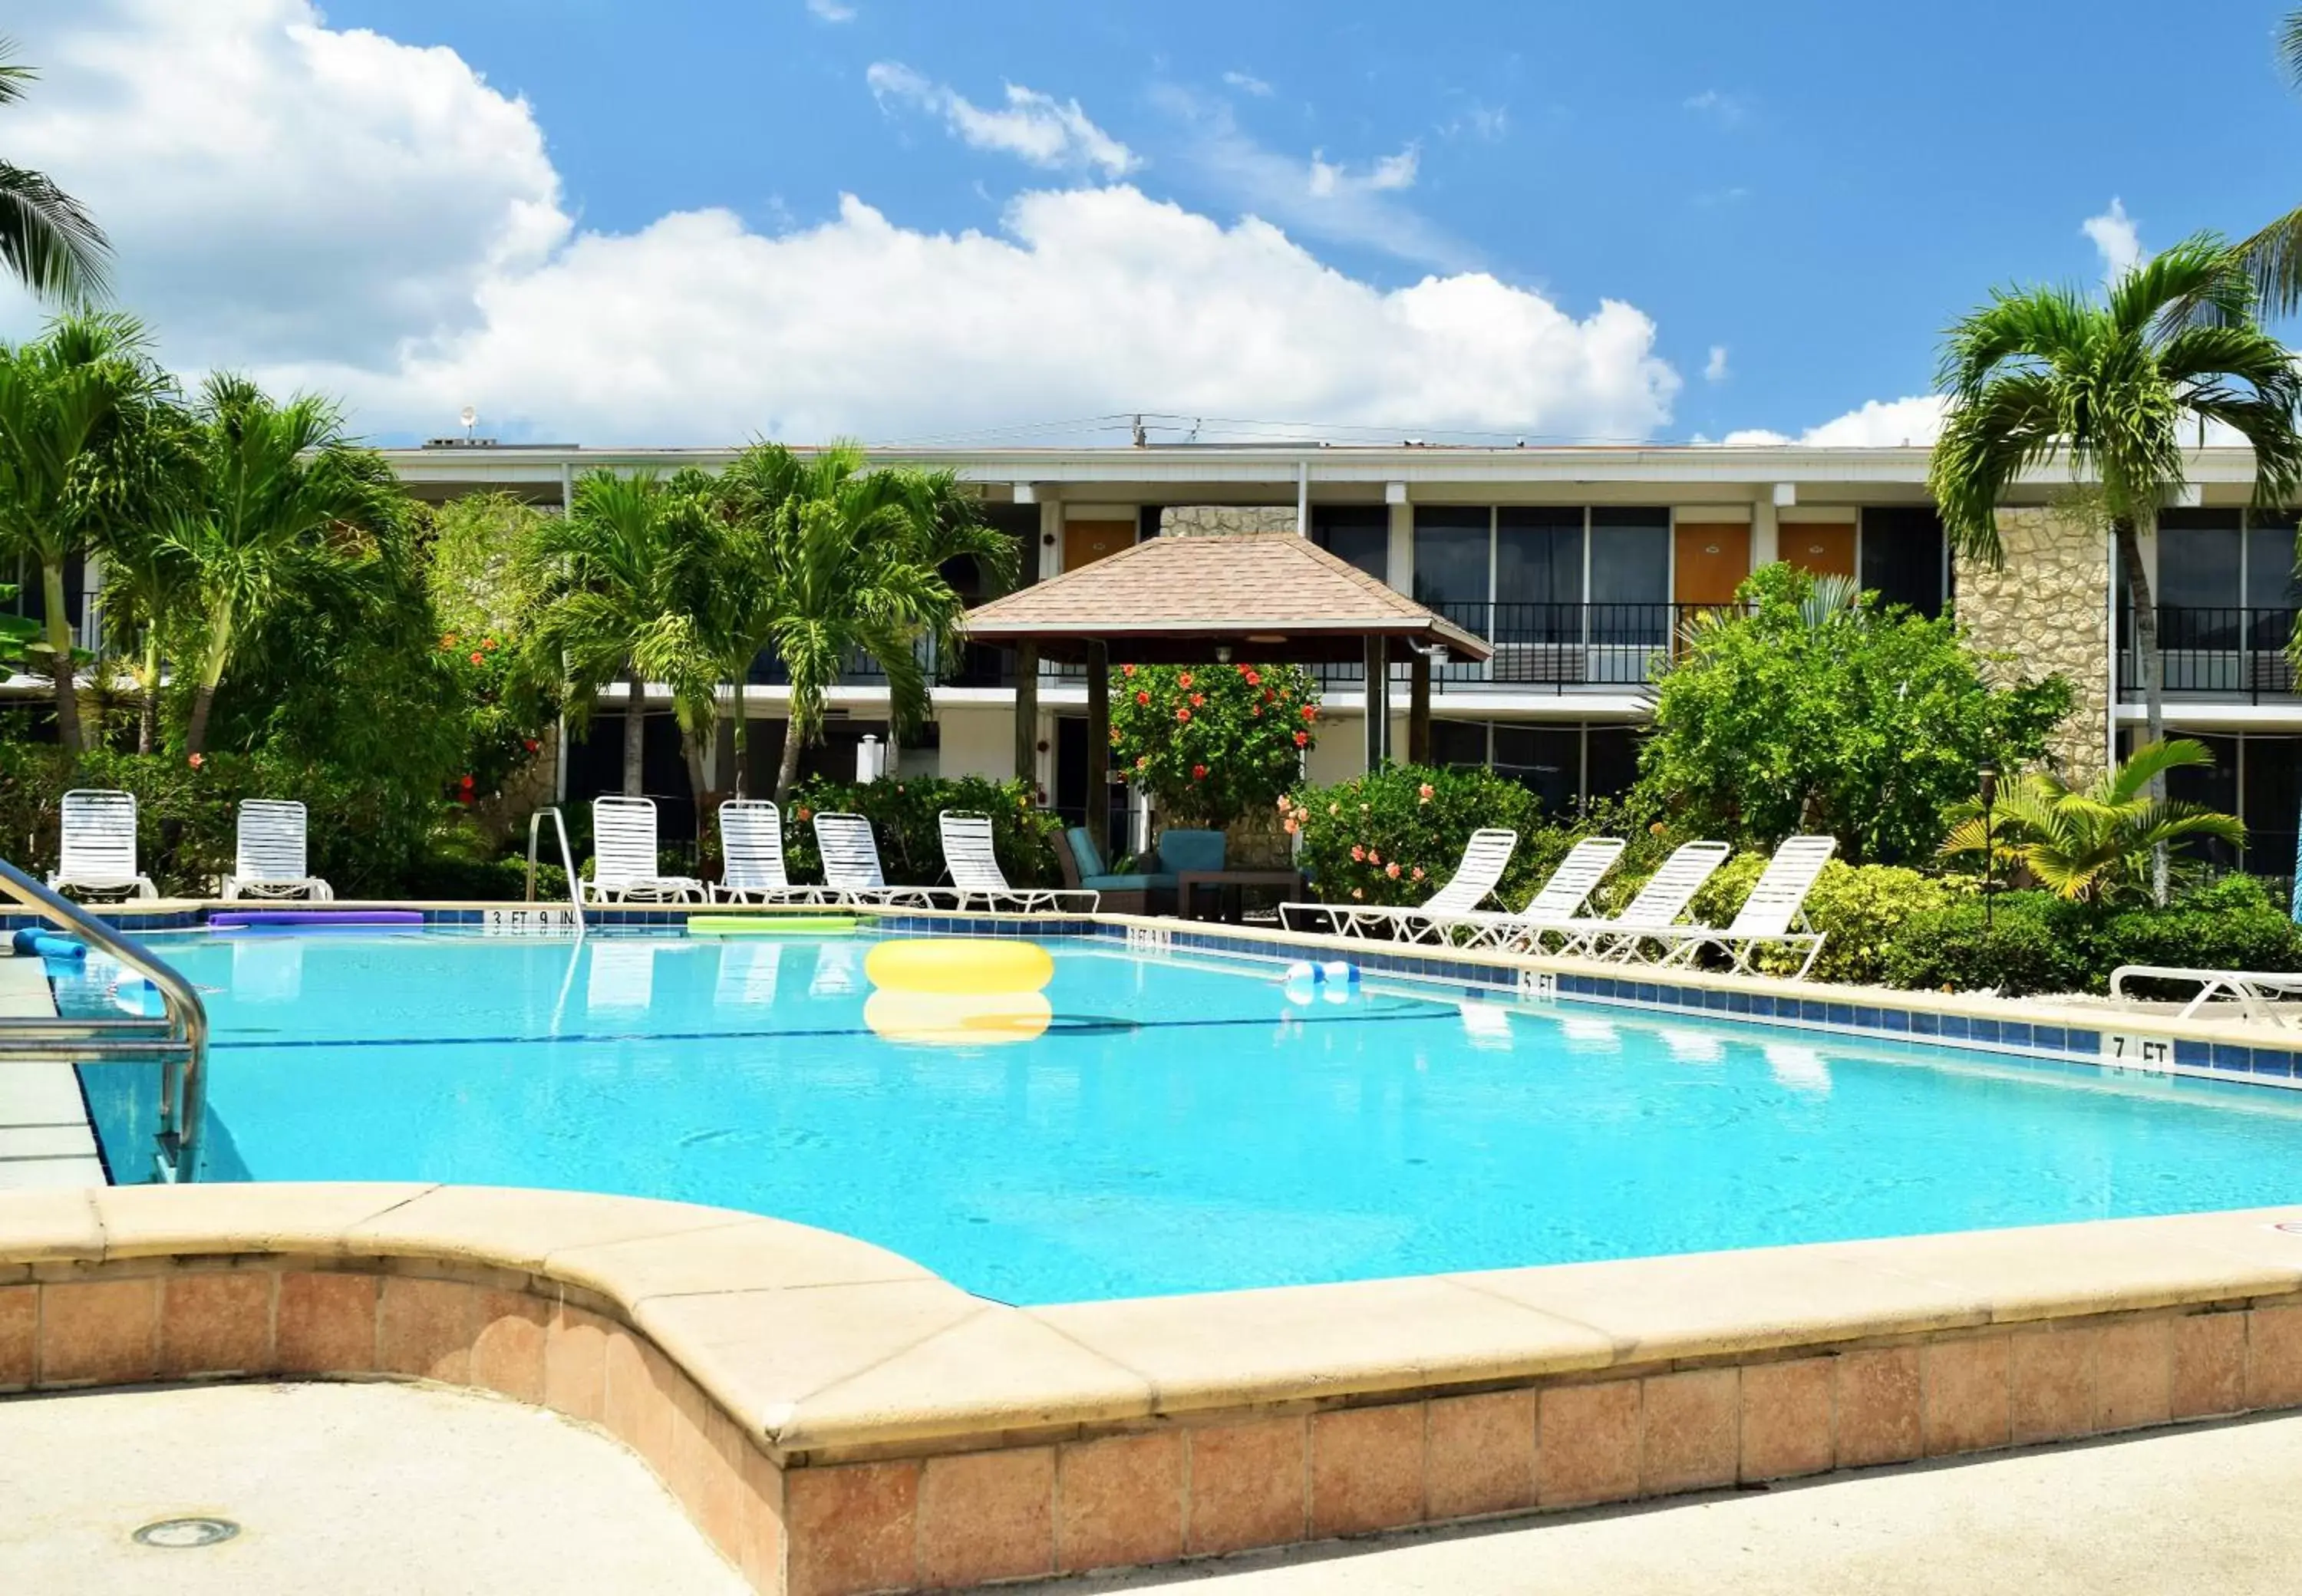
{"type": "Point", "coordinates": [323, 920]}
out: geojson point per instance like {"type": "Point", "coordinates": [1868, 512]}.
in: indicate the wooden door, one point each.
{"type": "Point", "coordinates": [1708, 561]}
{"type": "Point", "coordinates": [1086, 542]}
{"type": "Point", "coordinates": [1826, 548]}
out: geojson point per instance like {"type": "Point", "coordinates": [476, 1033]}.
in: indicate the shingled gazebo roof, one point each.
{"type": "Point", "coordinates": [1272, 597]}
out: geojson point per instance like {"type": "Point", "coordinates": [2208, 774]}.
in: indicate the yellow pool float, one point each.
{"type": "Point", "coordinates": [957, 1018]}
{"type": "Point", "coordinates": [958, 965]}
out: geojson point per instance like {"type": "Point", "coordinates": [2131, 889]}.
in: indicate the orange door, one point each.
{"type": "Point", "coordinates": [1086, 542]}
{"type": "Point", "coordinates": [1824, 548]}
{"type": "Point", "coordinates": [1709, 562]}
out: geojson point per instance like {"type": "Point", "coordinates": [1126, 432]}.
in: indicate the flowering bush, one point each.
{"type": "Point", "coordinates": [503, 736]}
{"type": "Point", "coordinates": [1392, 835]}
{"type": "Point", "coordinates": [1213, 742]}
{"type": "Point", "coordinates": [906, 815]}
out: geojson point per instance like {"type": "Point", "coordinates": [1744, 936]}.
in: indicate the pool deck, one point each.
{"type": "Point", "coordinates": [46, 1138]}
{"type": "Point", "coordinates": [838, 1421]}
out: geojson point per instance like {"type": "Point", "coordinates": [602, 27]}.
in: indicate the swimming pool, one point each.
{"type": "Point", "coordinates": [1180, 1126]}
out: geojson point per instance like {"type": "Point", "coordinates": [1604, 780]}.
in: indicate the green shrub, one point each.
{"type": "Point", "coordinates": [2028, 942]}
{"type": "Point", "coordinates": [367, 835]}
{"type": "Point", "coordinates": [904, 815]}
{"type": "Point", "coordinates": [1860, 910]}
{"type": "Point", "coordinates": [2202, 937]}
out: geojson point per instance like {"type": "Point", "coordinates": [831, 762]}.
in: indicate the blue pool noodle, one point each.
{"type": "Point", "coordinates": [33, 943]}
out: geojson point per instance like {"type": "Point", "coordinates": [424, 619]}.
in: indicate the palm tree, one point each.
{"type": "Point", "coordinates": [77, 409]}
{"type": "Point", "coordinates": [2274, 255]}
{"type": "Point", "coordinates": [2090, 844]}
{"type": "Point", "coordinates": [850, 562]}
{"type": "Point", "coordinates": [613, 592]}
{"type": "Point", "coordinates": [281, 501]}
{"type": "Point", "coordinates": [46, 239]}
{"type": "Point", "coordinates": [2112, 388]}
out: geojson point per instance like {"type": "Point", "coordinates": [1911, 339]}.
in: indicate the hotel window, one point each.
{"type": "Point", "coordinates": [1538, 573]}
{"type": "Point", "coordinates": [2201, 579]}
{"type": "Point", "coordinates": [1357, 533]}
{"type": "Point", "coordinates": [1565, 766]}
{"type": "Point", "coordinates": [1453, 561]}
{"type": "Point", "coordinates": [1903, 556]}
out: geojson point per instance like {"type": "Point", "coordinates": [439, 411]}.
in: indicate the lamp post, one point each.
{"type": "Point", "coordinates": [1989, 776]}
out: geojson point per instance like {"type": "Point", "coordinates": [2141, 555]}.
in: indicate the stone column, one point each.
{"type": "Point", "coordinates": [2043, 613]}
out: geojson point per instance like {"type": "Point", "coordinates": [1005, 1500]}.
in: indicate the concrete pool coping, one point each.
{"type": "Point", "coordinates": [839, 1419]}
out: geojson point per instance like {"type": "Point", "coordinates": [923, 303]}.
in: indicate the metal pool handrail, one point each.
{"type": "Point", "coordinates": [179, 1040]}
{"type": "Point", "coordinates": [567, 860]}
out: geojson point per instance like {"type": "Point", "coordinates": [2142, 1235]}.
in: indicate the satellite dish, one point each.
{"type": "Point", "coordinates": [467, 416]}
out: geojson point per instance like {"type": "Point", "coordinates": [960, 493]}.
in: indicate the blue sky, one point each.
{"type": "Point", "coordinates": [1813, 189]}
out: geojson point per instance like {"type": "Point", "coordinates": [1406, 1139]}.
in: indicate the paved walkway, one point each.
{"type": "Point", "coordinates": [2205, 1511]}
{"type": "Point", "coordinates": [339, 1491]}
{"type": "Point", "coordinates": [45, 1137]}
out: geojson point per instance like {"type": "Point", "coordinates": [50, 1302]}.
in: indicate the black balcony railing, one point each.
{"type": "Point", "coordinates": [2228, 654]}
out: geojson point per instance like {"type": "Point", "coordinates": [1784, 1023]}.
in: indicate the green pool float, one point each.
{"type": "Point", "coordinates": [772, 925]}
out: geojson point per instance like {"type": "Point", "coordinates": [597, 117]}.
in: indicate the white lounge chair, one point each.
{"type": "Point", "coordinates": [1561, 898]}
{"type": "Point", "coordinates": [97, 850]}
{"type": "Point", "coordinates": [851, 867]}
{"type": "Point", "coordinates": [623, 857]}
{"type": "Point", "coordinates": [1475, 875]}
{"type": "Point", "coordinates": [2257, 993]}
{"type": "Point", "coordinates": [974, 866]}
{"type": "Point", "coordinates": [1773, 916]}
{"type": "Point", "coordinates": [751, 846]}
{"type": "Point", "coordinates": [1656, 907]}
{"type": "Point", "coordinates": [270, 860]}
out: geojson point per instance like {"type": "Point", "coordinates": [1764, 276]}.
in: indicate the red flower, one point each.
{"type": "Point", "coordinates": [1310, 711]}
{"type": "Point", "coordinates": [1418, 872]}
{"type": "Point", "coordinates": [469, 784]}
{"type": "Point", "coordinates": [478, 659]}
{"type": "Point", "coordinates": [1127, 670]}
{"type": "Point", "coordinates": [1198, 701]}
{"type": "Point", "coordinates": [1254, 677]}
{"type": "Point", "coordinates": [1391, 870]}
{"type": "Point", "coordinates": [1257, 711]}
{"type": "Point", "coordinates": [532, 745]}
{"type": "Point", "coordinates": [1269, 696]}
{"type": "Point", "coordinates": [1373, 857]}
{"type": "Point", "coordinates": [1182, 714]}
{"type": "Point", "coordinates": [487, 643]}
{"type": "Point", "coordinates": [1142, 697]}
{"type": "Point", "coordinates": [1198, 773]}
{"type": "Point", "coordinates": [1302, 739]}
{"type": "Point", "coordinates": [1184, 680]}
{"type": "Point", "coordinates": [196, 761]}
{"type": "Point", "coordinates": [804, 812]}
{"type": "Point", "coordinates": [1358, 852]}
{"type": "Point", "coordinates": [1425, 793]}
{"type": "Point", "coordinates": [1143, 761]}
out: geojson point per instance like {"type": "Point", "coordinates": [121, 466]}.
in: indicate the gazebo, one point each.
{"type": "Point", "coordinates": [1271, 598]}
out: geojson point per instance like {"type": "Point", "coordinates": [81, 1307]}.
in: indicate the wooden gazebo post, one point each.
{"type": "Point", "coordinates": [1418, 705]}
{"type": "Point", "coordinates": [1378, 697]}
{"type": "Point", "coordinates": [1027, 717]}
{"type": "Point", "coordinates": [1098, 745]}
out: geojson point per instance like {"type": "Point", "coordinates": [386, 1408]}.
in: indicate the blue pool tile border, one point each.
{"type": "Point", "coordinates": [2058, 1044]}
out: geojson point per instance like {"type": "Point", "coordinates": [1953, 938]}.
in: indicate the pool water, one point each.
{"type": "Point", "coordinates": [1179, 1127]}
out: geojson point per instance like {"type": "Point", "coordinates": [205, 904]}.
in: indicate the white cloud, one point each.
{"type": "Point", "coordinates": [1490, 123]}
{"type": "Point", "coordinates": [1714, 370]}
{"type": "Point", "coordinates": [1879, 424]}
{"type": "Point", "coordinates": [1725, 109]}
{"type": "Point", "coordinates": [273, 187]}
{"type": "Point", "coordinates": [1388, 174]}
{"type": "Point", "coordinates": [441, 271]}
{"type": "Point", "coordinates": [1248, 83]}
{"type": "Point", "coordinates": [831, 11]}
{"type": "Point", "coordinates": [2119, 239]}
{"type": "Point", "coordinates": [1037, 127]}
{"type": "Point", "coordinates": [1326, 199]}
